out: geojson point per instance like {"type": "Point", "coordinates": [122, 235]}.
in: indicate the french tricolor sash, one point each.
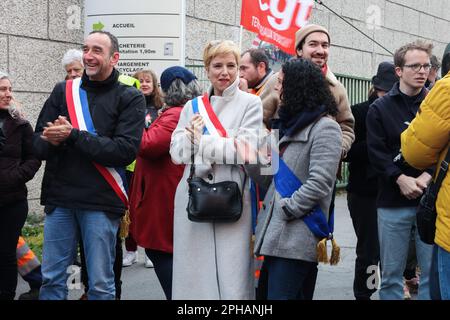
{"type": "Point", "coordinates": [213, 126]}
{"type": "Point", "coordinates": [286, 183]}
{"type": "Point", "coordinates": [202, 106]}
{"type": "Point", "coordinates": [80, 117]}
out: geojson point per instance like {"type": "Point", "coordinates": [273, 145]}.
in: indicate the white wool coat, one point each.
{"type": "Point", "coordinates": [215, 260]}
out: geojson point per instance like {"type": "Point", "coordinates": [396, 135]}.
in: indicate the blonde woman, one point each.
{"type": "Point", "coordinates": [213, 260]}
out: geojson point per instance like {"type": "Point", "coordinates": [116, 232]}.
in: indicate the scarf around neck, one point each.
{"type": "Point", "coordinates": [289, 124]}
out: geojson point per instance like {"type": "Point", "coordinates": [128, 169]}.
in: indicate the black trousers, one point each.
{"type": "Point", "coordinates": [363, 212]}
{"type": "Point", "coordinates": [411, 262]}
{"type": "Point", "coordinates": [163, 263]}
{"type": "Point", "coordinates": [12, 219]}
{"type": "Point", "coordinates": [290, 279]}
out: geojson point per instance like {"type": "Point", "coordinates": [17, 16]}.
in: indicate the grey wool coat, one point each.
{"type": "Point", "coordinates": [313, 155]}
{"type": "Point", "coordinates": [215, 260]}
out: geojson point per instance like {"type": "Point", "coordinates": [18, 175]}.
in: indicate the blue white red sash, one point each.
{"type": "Point", "coordinates": [286, 183]}
{"type": "Point", "coordinates": [202, 106]}
{"type": "Point", "coordinates": [80, 117]}
{"type": "Point", "coordinates": [213, 126]}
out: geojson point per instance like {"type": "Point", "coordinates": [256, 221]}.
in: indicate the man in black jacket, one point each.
{"type": "Point", "coordinates": [399, 186]}
{"type": "Point", "coordinates": [74, 191]}
{"type": "Point", "coordinates": [362, 188]}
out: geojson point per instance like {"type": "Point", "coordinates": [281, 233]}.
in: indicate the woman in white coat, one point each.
{"type": "Point", "coordinates": [214, 260]}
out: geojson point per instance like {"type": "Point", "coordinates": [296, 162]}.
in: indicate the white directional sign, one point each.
{"type": "Point", "coordinates": [150, 32]}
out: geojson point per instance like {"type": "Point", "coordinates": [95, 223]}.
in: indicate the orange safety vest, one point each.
{"type": "Point", "coordinates": [26, 259]}
{"type": "Point", "coordinates": [257, 92]}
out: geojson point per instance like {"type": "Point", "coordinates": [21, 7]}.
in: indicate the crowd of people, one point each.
{"type": "Point", "coordinates": [139, 159]}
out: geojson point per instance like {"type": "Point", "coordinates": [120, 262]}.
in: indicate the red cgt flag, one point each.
{"type": "Point", "coordinates": [276, 21]}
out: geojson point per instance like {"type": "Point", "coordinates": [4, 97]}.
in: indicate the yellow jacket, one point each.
{"type": "Point", "coordinates": [425, 144]}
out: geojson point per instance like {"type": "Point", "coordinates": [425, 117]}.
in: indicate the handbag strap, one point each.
{"type": "Point", "coordinates": [436, 185]}
{"type": "Point", "coordinates": [192, 171]}
{"type": "Point", "coordinates": [216, 122]}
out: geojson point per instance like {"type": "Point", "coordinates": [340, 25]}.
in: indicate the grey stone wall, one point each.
{"type": "Point", "coordinates": [401, 21]}
{"type": "Point", "coordinates": [34, 35]}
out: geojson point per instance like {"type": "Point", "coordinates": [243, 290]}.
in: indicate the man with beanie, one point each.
{"type": "Point", "coordinates": [362, 187]}
{"type": "Point", "coordinates": [312, 42]}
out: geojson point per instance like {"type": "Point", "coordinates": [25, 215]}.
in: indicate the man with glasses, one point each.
{"type": "Point", "coordinates": [399, 185]}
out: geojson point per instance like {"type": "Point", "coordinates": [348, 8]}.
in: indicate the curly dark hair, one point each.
{"type": "Point", "coordinates": [305, 88]}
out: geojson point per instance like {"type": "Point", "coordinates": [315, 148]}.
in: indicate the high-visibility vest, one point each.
{"type": "Point", "coordinates": [129, 81]}
{"type": "Point", "coordinates": [26, 259]}
{"type": "Point", "coordinates": [132, 82]}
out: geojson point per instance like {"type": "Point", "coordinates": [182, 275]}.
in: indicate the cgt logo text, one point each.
{"type": "Point", "coordinates": [282, 19]}
{"type": "Point", "coordinates": [226, 309]}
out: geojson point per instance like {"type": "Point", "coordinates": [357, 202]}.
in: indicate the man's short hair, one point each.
{"type": "Point", "coordinates": [71, 56]}
{"type": "Point", "coordinates": [3, 75]}
{"type": "Point", "coordinates": [399, 56]}
{"type": "Point", "coordinates": [114, 41]}
{"type": "Point", "coordinates": [257, 56]}
{"type": "Point", "coordinates": [435, 63]}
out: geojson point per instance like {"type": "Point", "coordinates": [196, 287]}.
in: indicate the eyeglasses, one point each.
{"type": "Point", "coordinates": [416, 67]}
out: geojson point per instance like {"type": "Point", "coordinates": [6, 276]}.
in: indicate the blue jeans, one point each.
{"type": "Point", "coordinates": [441, 273]}
{"type": "Point", "coordinates": [394, 231]}
{"type": "Point", "coordinates": [98, 231]}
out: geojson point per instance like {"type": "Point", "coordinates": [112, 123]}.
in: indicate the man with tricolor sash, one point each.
{"type": "Point", "coordinates": [88, 131]}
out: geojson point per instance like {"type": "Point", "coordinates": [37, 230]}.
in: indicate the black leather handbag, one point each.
{"type": "Point", "coordinates": [426, 211]}
{"type": "Point", "coordinates": [213, 202]}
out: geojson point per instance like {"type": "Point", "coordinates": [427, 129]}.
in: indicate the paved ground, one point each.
{"type": "Point", "coordinates": [333, 283]}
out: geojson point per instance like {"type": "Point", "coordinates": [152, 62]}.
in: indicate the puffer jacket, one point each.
{"type": "Point", "coordinates": [425, 143]}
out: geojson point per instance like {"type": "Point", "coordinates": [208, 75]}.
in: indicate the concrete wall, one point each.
{"type": "Point", "coordinates": [34, 35]}
{"type": "Point", "coordinates": [400, 21]}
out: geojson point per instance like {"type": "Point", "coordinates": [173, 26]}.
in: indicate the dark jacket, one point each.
{"type": "Point", "coordinates": [17, 162]}
{"type": "Point", "coordinates": [70, 178]}
{"type": "Point", "coordinates": [362, 178]}
{"type": "Point", "coordinates": [150, 110]}
{"type": "Point", "coordinates": [387, 118]}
